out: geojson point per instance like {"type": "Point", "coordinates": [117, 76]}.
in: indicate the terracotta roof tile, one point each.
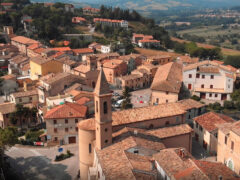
{"type": "Point", "coordinates": [138, 115]}
{"type": "Point", "coordinates": [61, 49]}
{"type": "Point", "coordinates": [102, 86]}
{"type": "Point", "coordinates": [82, 51]}
{"type": "Point", "coordinates": [24, 40]}
{"type": "Point", "coordinates": [168, 78]}
{"type": "Point", "coordinates": [39, 50]}
{"type": "Point", "coordinates": [40, 59]}
{"type": "Point", "coordinates": [82, 68]}
{"type": "Point", "coordinates": [171, 131]}
{"type": "Point", "coordinates": [83, 100]}
{"type": "Point", "coordinates": [127, 162]}
{"type": "Point", "coordinates": [215, 169]}
{"type": "Point", "coordinates": [208, 70]}
{"type": "Point", "coordinates": [25, 93]}
{"type": "Point", "coordinates": [211, 120]}
{"type": "Point", "coordinates": [190, 104]}
{"type": "Point", "coordinates": [67, 110]}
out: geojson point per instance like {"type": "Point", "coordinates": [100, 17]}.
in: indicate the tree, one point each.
{"type": "Point", "coordinates": [126, 104]}
{"type": "Point", "coordinates": [235, 95]}
{"type": "Point", "coordinates": [233, 61]}
{"type": "Point", "coordinates": [8, 137]}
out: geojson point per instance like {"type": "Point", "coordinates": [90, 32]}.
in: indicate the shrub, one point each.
{"type": "Point", "coordinates": [196, 98]}
{"type": "Point", "coordinates": [33, 135]}
{"type": "Point", "coordinates": [64, 156]}
{"type": "Point", "coordinates": [216, 106]}
{"type": "Point", "coordinates": [228, 105]}
{"type": "Point", "coordinates": [237, 105]}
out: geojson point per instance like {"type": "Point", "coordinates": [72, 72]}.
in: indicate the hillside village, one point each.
{"type": "Point", "coordinates": [128, 114]}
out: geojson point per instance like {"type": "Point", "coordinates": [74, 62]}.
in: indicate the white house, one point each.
{"type": "Point", "coordinates": [105, 49]}
{"type": "Point", "coordinates": [209, 80]}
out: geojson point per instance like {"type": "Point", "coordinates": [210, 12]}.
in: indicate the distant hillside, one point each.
{"type": "Point", "coordinates": [152, 5]}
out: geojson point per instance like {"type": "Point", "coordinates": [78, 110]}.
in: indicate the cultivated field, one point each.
{"type": "Point", "coordinates": [225, 51]}
{"type": "Point", "coordinates": [150, 52]}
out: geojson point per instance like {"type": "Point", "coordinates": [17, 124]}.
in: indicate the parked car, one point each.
{"type": "Point", "coordinates": [118, 103]}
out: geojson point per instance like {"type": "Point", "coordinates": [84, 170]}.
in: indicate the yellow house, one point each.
{"type": "Point", "coordinates": [41, 66]}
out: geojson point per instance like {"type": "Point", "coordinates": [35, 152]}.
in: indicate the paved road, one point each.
{"type": "Point", "coordinates": [38, 163]}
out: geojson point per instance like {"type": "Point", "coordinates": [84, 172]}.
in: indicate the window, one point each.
{"type": "Point", "coordinates": [178, 120]}
{"type": "Point", "coordinates": [105, 108]}
{"type": "Point", "coordinates": [166, 92]}
{"type": "Point", "coordinates": [55, 139]}
{"type": "Point", "coordinates": [66, 121]}
{"type": "Point", "coordinates": [196, 125]}
{"type": "Point", "coordinates": [30, 99]}
{"type": "Point", "coordinates": [157, 100]}
{"type": "Point", "coordinates": [76, 120]}
{"type": "Point", "coordinates": [211, 86]}
{"type": "Point", "coordinates": [216, 135]}
{"type": "Point", "coordinates": [203, 76]}
{"type": "Point", "coordinates": [76, 129]}
{"type": "Point", "coordinates": [151, 126]}
{"type": "Point", "coordinates": [202, 86]}
{"type": "Point", "coordinates": [96, 106]}
{"type": "Point", "coordinates": [106, 129]}
{"type": "Point", "coordinates": [20, 99]}
{"type": "Point", "coordinates": [66, 129]}
{"type": "Point", "coordinates": [54, 121]}
{"type": "Point", "coordinates": [210, 95]}
{"type": "Point", "coordinates": [226, 138]}
{"type": "Point", "coordinates": [216, 95]}
{"type": "Point", "coordinates": [106, 141]}
{"type": "Point", "coordinates": [90, 148]}
{"type": "Point", "coordinates": [167, 123]}
{"type": "Point", "coordinates": [232, 145]}
{"type": "Point", "coordinates": [200, 127]}
{"type": "Point", "coordinates": [55, 130]}
{"type": "Point", "coordinates": [166, 101]}
{"type": "Point", "coordinates": [197, 75]}
{"type": "Point", "coordinates": [190, 75]}
{"type": "Point", "coordinates": [212, 76]}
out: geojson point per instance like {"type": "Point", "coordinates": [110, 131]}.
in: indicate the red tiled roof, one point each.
{"type": "Point", "coordinates": [211, 120]}
{"type": "Point", "coordinates": [6, 4]}
{"type": "Point", "coordinates": [149, 40]}
{"type": "Point", "coordinates": [78, 19]}
{"type": "Point", "coordinates": [61, 49]}
{"type": "Point", "coordinates": [39, 50]}
{"type": "Point", "coordinates": [67, 110]}
{"type": "Point", "coordinates": [24, 40]}
{"type": "Point", "coordinates": [83, 100]}
{"type": "Point", "coordinates": [82, 51]}
{"type": "Point", "coordinates": [33, 46]}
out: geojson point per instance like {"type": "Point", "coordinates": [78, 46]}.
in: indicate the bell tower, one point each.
{"type": "Point", "coordinates": [103, 112]}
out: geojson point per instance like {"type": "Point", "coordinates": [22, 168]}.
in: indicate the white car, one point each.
{"type": "Point", "coordinates": [118, 103]}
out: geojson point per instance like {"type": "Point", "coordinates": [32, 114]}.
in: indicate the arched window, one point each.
{"type": "Point", "coordinates": [105, 108]}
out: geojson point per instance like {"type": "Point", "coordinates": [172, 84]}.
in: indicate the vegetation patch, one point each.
{"type": "Point", "coordinates": [64, 156]}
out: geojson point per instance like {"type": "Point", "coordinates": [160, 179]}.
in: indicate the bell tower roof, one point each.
{"type": "Point", "coordinates": [102, 86]}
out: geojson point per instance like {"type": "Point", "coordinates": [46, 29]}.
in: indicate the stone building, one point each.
{"type": "Point", "coordinates": [228, 151]}
{"type": "Point", "coordinates": [61, 122]}
{"type": "Point", "coordinates": [206, 130]}
{"type": "Point", "coordinates": [167, 83]}
{"type": "Point", "coordinates": [209, 80]}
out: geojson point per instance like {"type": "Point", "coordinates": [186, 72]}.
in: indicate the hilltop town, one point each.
{"type": "Point", "coordinates": [107, 94]}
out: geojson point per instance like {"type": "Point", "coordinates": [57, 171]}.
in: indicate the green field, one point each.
{"type": "Point", "coordinates": [216, 35]}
